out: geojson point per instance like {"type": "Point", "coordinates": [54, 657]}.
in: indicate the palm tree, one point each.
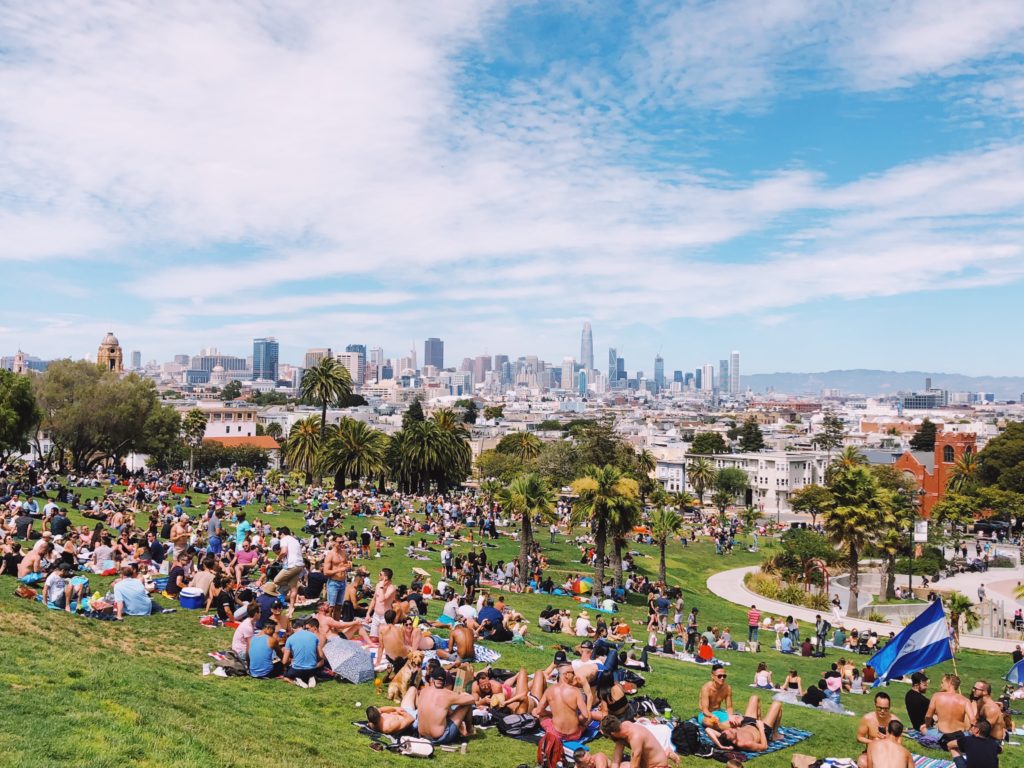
{"type": "Point", "coordinates": [489, 487]}
{"type": "Point", "coordinates": [848, 458]}
{"type": "Point", "coordinates": [525, 446]}
{"type": "Point", "coordinates": [194, 427]}
{"type": "Point", "coordinates": [274, 430]}
{"type": "Point", "coordinates": [296, 478]}
{"type": "Point", "coordinates": [853, 521]}
{"type": "Point", "coordinates": [624, 517]}
{"type": "Point", "coordinates": [302, 450]}
{"type": "Point", "coordinates": [601, 491]}
{"type": "Point", "coordinates": [683, 501]}
{"type": "Point", "coordinates": [750, 515]}
{"type": "Point", "coordinates": [965, 473]}
{"type": "Point", "coordinates": [702, 476]}
{"type": "Point", "coordinates": [665, 523]}
{"type": "Point", "coordinates": [353, 451]}
{"type": "Point", "coordinates": [273, 477]}
{"type": "Point", "coordinates": [961, 611]}
{"type": "Point", "coordinates": [646, 462]}
{"type": "Point", "coordinates": [527, 496]}
{"type": "Point", "coordinates": [325, 383]}
{"type": "Point", "coordinates": [245, 474]}
{"type": "Point", "coordinates": [456, 455]}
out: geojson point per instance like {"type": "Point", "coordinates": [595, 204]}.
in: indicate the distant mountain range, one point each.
{"type": "Point", "coordinates": [872, 383]}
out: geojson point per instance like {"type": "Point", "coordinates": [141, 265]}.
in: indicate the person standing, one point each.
{"type": "Point", "coordinates": [915, 700]}
{"type": "Point", "coordinates": [753, 623]}
{"type": "Point", "coordinates": [288, 577]}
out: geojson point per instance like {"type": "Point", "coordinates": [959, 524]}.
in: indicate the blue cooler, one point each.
{"type": "Point", "coordinates": [193, 599]}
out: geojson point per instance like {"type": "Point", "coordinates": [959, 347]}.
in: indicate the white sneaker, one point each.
{"type": "Point", "coordinates": [219, 672]}
{"type": "Point", "coordinates": [206, 670]}
{"type": "Point", "coordinates": [312, 682]}
{"type": "Point", "coordinates": [300, 682]}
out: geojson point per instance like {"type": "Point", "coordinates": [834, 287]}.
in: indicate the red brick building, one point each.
{"type": "Point", "coordinates": [931, 470]}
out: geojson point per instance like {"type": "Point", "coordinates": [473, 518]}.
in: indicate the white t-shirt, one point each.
{"type": "Point", "coordinates": [291, 550]}
{"type": "Point", "coordinates": [467, 611]}
{"type": "Point", "coordinates": [582, 625]}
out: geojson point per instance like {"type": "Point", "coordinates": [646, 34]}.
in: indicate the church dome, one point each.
{"type": "Point", "coordinates": [218, 369]}
{"type": "Point", "coordinates": [111, 340]}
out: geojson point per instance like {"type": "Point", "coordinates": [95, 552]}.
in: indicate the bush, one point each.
{"type": "Point", "coordinates": [793, 594]}
{"type": "Point", "coordinates": [818, 601]}
{"type": "Point", "coordinates": [763, 584]}
{"type": "Point", "coordinates": [876, 616]}
{"type": "Point", "coordinates": [1000, 561]}
{"type": "Point", "coordinates": [930, 562]}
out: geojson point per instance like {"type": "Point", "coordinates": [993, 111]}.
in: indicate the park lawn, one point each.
{"type": "Point", "coordinates": [81, 692]}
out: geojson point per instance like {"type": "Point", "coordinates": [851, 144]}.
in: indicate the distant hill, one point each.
{"type": "Point", "coordinates": [871, 383]}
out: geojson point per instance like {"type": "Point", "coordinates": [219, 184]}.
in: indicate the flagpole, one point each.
{"type": "Point", "coordinates": [952, 651]}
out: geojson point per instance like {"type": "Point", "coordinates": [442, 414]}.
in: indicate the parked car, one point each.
{"type": "Point", "coordinates": [990, 527]}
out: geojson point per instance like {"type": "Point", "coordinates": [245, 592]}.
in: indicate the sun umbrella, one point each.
{"type": "Point", "coordinates": [1016, 673]}
{"type": "Point", "coordinates": [349, 660]}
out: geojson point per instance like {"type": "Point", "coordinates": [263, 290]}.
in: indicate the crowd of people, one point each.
{"type": "Point", "coordinates": [287, 594]}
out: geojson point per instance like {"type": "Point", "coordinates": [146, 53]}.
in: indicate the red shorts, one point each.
{"type": "Point", "coordinates": [548, 725]}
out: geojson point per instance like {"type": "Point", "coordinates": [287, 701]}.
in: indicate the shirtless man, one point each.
{"type": "Point", "coordinates": [987, 708]}
{"type": "Point", "coordinates": [947, 714]}
{"type": "Point", "coordinates": [444, 715]}
{"type": "Point", "coordinates": [461, 643]}
{"type": "Point", "coordinates": [716, 699]}
{"type": "Point", "coordinates": [889, 752]}
{"type": "Point", "coordinates": [646, 751]}
{"type": "Point", "coordinates": [32, 562]}
{"type": "Point", "coordinates": [336, 568]}
{"type": "Point", "coordinates": [751, 734]}
{"type": "Point", "coordinates": [875, 725]}
{"type": "Point", "coordinates": [517, 693]}
{"type": "Point", "coordinates": [382, 602]}
{"type": "Point", "coordinates": [394, 720]}
{"type": "Point", "coordinates": [392, 647]}
{"type": "Point", "coordinates": [562, 710]}
{"type": "Point", "coordinates": [331, 627]}
{"type": "Point", "coordinates": [179, 536]}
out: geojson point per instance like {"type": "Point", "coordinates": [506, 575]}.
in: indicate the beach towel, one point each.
{"type": "Point", "coordinates": [920, 761]}
{"type": "Point", "coordinates": [482, 654]}
{"type": "Point", "coordinates": [785, 737]}
{"type": "Point", "coordinates": [922, 739]}
{"type": "Point", "coordinates": [792, 700]}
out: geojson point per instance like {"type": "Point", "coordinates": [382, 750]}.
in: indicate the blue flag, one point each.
{"type": "Point", "coordinates": [924, 642]}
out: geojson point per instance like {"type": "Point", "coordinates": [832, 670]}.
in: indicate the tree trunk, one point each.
{"type": "Point", "coordinates": [851, 609]}
{"type": "Point", "coordinates": [323, 422]}
{"type": "Point", "coordinates": [600, 544]}
{"type": "Point", "coordinates": [617, 560]}
{"type": "Point", "coordinates": [661, 561]}
{"type": "Point", "coordinates": [889, 577]}
{"type": "Point", "coordinates": [526, 541]}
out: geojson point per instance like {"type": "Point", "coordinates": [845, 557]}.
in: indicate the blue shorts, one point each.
{"type": "Point", "coordinates": [440, 643]}
{"type": "Point", "coordinates": [451, 733]}
{"type": "Point", "coordinates": [335, 592]}
{"type": "Point", "coordinates": [721, 714]}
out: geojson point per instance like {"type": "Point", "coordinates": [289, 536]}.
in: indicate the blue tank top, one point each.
{"type": "Point", "coordinates": [261, 657]}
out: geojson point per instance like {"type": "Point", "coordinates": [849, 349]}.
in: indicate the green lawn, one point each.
{"type": "Point", "coordinates": [89, 693]}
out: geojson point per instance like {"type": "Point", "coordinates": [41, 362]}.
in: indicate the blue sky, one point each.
{"type": "Point", "coordinates": [816, 184]}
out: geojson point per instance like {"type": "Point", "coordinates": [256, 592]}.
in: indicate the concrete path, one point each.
{"type": "Point", "coordinates": [729, 585]}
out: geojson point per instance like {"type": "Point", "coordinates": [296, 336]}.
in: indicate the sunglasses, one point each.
{"type": "Point", "coordinates": [721, 677]}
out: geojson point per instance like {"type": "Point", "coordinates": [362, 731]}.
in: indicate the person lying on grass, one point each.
{"type": "Point", "coordinates": [752, 734]}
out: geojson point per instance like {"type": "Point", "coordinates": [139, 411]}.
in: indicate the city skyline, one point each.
{"type": "Point", "coordinates": [810, 183]}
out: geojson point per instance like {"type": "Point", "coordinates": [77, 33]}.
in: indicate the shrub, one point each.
{"type": "Point", "coordinates": [876, 616]}
{"type": "Point", "coordinates": [793, 594]}
{"type": "Point", "coordinates": [818, 601]}
{"type": "Point", "coordinates": [763, 584]}
{"type": "Point", "coordinates": [1000, 561]}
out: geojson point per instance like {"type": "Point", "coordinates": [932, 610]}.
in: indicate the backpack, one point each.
{"type": "Point", "coordinates": [550, 752]}
{"type": "Point", "coordinates": [632, 677]}
{"type": "Point", "coordinates": [686, 740]}
{"type": "Point", "coordinates": [516, 725]}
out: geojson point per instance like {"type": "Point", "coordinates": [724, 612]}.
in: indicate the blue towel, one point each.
{"type": "Point", "coordinates": [784, 738]}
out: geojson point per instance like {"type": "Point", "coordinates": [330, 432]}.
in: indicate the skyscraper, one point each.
{"type": "Point", "coordinates": [264, 358]}
{"type": "Point", "coordinates": [315, 355]}
{"type": "Point", "coordinates": [587, 348]}
{"type": "Point", "coordinates": [659, 373]}
{"type": "Point", "coordinates": [568, 367]}
{"type": "Point", "coordinates": [375, 355]}
{"type": "Point", "coordinates": [481, 365]}
{"type": "Point", "coordinates": [698, 379]}
{"type": "Point", "coordinates": [723, 375]}
{"type": "Point", "coordinates": [734, 373]}
{"type": "Point", "coordinates": [136, 360]}
{"type": "Point", "coordinates": [502, 368]}
{"type": "Point", "coordinates": [433, 353]}
{"type": "Point", "coordinates": [613, 367]}
{"type": "Point", "coordinates": [353, 362]}
{"type": "Point", "coordinates": [708, 377]}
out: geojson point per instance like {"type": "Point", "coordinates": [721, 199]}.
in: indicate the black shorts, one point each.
{"type": "Point", "coordinates": [945, 738]}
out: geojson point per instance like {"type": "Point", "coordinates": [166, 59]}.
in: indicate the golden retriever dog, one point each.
{"type": "Point", "coordinates": [403, 679]}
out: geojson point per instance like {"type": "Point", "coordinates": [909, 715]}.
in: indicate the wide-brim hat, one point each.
{"type": "Point", "coordinates": [270, 588]}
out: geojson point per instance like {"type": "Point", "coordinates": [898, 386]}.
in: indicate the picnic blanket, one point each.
{"type": "Point", "coordinates": [785, 737]}
{"type": "Point", "coordinates": [481, 653]}
{"type": "Point", "coordinates": [792, 700]}
{"type": "Point", "coordinates": [920, 761]}
{"type": "Point", "coordinates": [923, 739]}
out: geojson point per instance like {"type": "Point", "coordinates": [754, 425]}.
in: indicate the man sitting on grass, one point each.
{"type": "Point", "coordinates": [130, 595]}
{"type": "Point", "coordinates": [443, 715]}
{"type": "Point", "coordinates": [303, 654]}
{"type": "Point", "coordinates": [59, 591]}
{"type": "Point", "coordinates": [646, 750]}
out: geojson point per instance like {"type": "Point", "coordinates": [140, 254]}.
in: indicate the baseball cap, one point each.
{"type": "Point", "coordinates": [561, 658]}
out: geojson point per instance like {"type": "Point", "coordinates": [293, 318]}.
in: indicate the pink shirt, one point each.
{"type": "Point", "coordinates": [240, 640]}
{"type": "Point", "coordinates": [246, 558]}
{"type": "Point", "coordinates": [753, 618]}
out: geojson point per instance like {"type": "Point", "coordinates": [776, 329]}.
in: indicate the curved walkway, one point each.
{"type": "Point", "coordinates": [729, 585]}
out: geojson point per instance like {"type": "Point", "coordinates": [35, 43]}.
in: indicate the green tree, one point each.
{"type": "Point", "coordinates": [161, 437]}
{"type": "Point", "coordinates": [709, 443]}
{"type": "Point", "coordinates": [353, 451]}
{"type": "Point", "coordinates": [232, 390]}
{"type": "Point", "coordinates": [800, 548]}
{"type": "Point", "coordinates": [964, 477]}
{"type": "Point", "coordinates": [1001, 461]}
{"type": "Point", "coordinates": [274, 430]}
{"type": "Point", "coordinates": [603, 492]}
{"type": "Point", "coordinates": [956, 513]}
{"type": "Point", "coordinates": [831, 435]}
{"type": "Point", "coordinates": [846, 459]}
{"type": "Point", "coordinates": [193, 428]}
{"type": "Point", "coordinates": [749, 517]}
{"type": "Point", "coordinates": [492, 412]}
{"type": "Point", "coordinates": [326, 383]}
{"type": "Point", "coordinates": [471, 411]}
{"type": "Point", "coordinates": [435, 451]}
{"type": "Point", "coordinates": [559, 463]}
{"type": "Point", "coordinates": [529, 498]}
{"type": "Point", "coordinates": [731, 481]}
{"type": "Point", "coordinates": [701, 474]}
{"type": "Point", "coordinates": [856, 515]}
{"type": "Point", "coordinates": [665, 523]}
{"type": "Point", "coordinates": [812, 499]}
{"type": "Point", "coordinates": [683, 501]}
{"type": "Point", "coordinates": [924, 438]}
{"type": "Point", "coordinates": [497, 465]}
{"type": "Point", "coordinates": [524, 446]}
{"type": "Point", "coordinates": [413, 413]}
{"type": "Point", "coordinates": [750, 435]}
{"type": "Point", "coordinates": [302, 448]}
{"type": "Point", "coordinates": [19, 414]}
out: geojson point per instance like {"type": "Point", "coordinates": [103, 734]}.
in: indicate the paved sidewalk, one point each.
{"type": "Point", "coordinates": [729, 585]}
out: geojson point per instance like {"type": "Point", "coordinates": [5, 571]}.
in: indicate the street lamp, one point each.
{"type": "Point", "coordinates": [915, 500]}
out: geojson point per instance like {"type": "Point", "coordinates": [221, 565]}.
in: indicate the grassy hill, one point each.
{"type": "Point", "coordinates": [82, 692]}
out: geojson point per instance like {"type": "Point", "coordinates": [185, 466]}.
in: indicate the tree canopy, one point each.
{"type": "Point", "coordinates": [709, 442]}
{"type": "Point", "coordinates": [19, 413]}
{"type": "Point", "coordinates": [924, 438]}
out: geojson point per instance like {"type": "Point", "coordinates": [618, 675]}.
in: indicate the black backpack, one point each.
{"type": "Point", "coordinates": [686, 740]}
{"type": "Point", "coordinates": [516, 725]}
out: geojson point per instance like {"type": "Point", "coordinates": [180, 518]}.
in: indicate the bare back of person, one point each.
{"type": "Point", "coordinates": [565, 703]}
{"type": "Point", "coordinates": [462, 640]}
{"type": "Point", "coordinates": [392, 641]}
{"type": "Point", "coordinates": [950, 711]}
{"type": "Point", "coordinates": [993, 712]}
{"type": "Point", "coordinates": [888, 753]}
{"type": "Point", "coordinates": [647, 752]}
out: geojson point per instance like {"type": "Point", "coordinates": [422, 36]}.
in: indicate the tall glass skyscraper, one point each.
{"type": "Point", "coordinates": [264, 358]}
{"type": "Point", "coordinates": [734, 373]}
{"type": "Point", "coordinates": [433, 353]}
{"type": "Point", "coordinates": [613, 367]}
{"type": "Point", "coordinates": [587, 348]}
{"type": "Point", "coordinates": [659, 372]}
